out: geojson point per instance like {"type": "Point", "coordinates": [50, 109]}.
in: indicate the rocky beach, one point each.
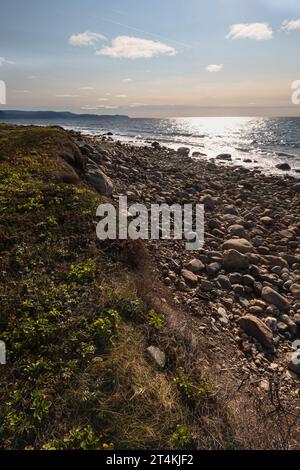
{"type": "Point", "coordinates": [242, 290]}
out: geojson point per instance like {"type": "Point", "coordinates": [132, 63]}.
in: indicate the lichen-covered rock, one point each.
{"type": "Point", "coordinates": [157, 355]}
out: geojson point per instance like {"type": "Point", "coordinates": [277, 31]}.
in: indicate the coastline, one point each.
{"type": "Point", "coordinates": [240, 204]}
{"type": "Point", "coordinates": [244, 157]}
{"type": "Point", "coordinates": [197, 341]}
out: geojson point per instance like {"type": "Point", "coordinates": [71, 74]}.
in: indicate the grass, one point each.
{"type": "Point", "coordinates": [77, 376]}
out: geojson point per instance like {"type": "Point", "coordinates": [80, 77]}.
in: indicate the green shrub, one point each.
{"type": "Point", "coordinates": [78, 438]}
{"type": "Point", "coordinates": [105, 328]}
{"type": "Point", "coordinates": [156, 320]}
{"type": "Point", "coordinates": [40, 406]}
{"type": "Point", "coordinates": [181, 438]}
{"type": "Point", "coordinates": [192, 392]}
{"type": "Point", "coordinates": [83, 271]}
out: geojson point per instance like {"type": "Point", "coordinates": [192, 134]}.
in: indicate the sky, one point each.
{"type": "Point", "coordinates": [155, 58]}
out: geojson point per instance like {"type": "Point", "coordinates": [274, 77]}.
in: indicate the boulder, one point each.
{"type": "Point", "coordinates": [223, 317]}
{"type": "Point", "coordinates": [208, 201]}
{"type": "Point", "coordinates": [274, 298]}
{"type": "Point", "coordinates": [268, 221]}
{"type": "Point", "coordinates": [198, 154]}
{"type": "Point", "coordinates": [157, 355]}
{"type": "Point", "coordinates": [294, 362]}
{"type": "Point", "coordinates": [213, 269]}
{"type": "Point", "coordinates": [183, 151]}
{"type": "Point", "coordinates": [223, 282]}
{"type": "Point", "coordinates": [283, 167]}
{"type": "Point", "coordinates": [237, 231]}
{"type": "Point", "coordinates": [189, 277]}
{"type": "Point", "coordinates": [257, 329]}
{"type": "Point", "coordinates": [240, 244]}
{"type": "Point", "coordinates": [235, 261]}
{"type": "Point", "coordinates": [295, 290]}
{"type": "Point", "coordinates": [195, 266]}
{"type": "Point", "coordinates": [155, 145]}
{"type": "Point", "coordinates": [99, 180]}
{"type": "Point", "coordinates": [87, 150]}
{"type": "Point", "coordinates": [224, 156]}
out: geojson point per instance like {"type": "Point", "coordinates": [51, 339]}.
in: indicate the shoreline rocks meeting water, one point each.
{"type": "Point", "coordinates": [243, 286]}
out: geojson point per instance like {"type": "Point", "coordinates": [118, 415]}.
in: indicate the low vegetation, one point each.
{"type": "Point", "coordinates": [76, 331]}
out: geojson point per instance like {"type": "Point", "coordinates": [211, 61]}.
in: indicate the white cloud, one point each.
{"type": "Point", "coordinates": [25, 92]}
{"type": "Point", "coordinates": [86, 88]}
{"type": "Point", "coordinates": [88, 38]}
{"type": "Point", "coordinates": [92, 107]}
{"type": "Point", "coordinates": [31, 77]}
{"type": "Point", "coordinates": [291, 25]}
{"type": "Point", "coordinates": [89, 108]}
{"type": "Point", "coordinates": [215, 67]}
{"type": "Point", "coordinates": [108, 106]}
{"type": "Point", "coordinates": [67, 95]}
{"type": "Point", "coordinates": [137, 105]}
{"type": "Point", "coordinates": [4, 61]}
{"type": "Point", "coordinates": [121, 96]}
{"type": "Point", "coordinates": [108, 94]}
{"type": "Point", "coordinates": [258, 31]}
{"type": "Point", "coordinates": [127, 47]}
{"type": "Point", "coordinates": [102, 99]}
{"type": "Point", "coordinates": [126, 80]}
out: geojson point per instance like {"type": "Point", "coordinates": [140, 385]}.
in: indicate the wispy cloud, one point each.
{"type": "Point", "coordinates": [67, 95]}
{"type": "Point", "coordinates": [291, 25]}
{"type": "Point", "coordinates": [127, 80]}
{"type": "Point", "coordinates": [88, 107]}
{"type": "Point", "coordinates": [102, 99]}
{"type": "Point", "coordinates": [108, 106]}
{"type": "Point", "coordinates": [31, 77]}
{"type": "Point", "coordinates": [25, 92]}
{"type": "Point", "coordinates": [86, 88]}
{"type": "Point", "coordinates": [127, 47]}
{"type": "Point", "coordinates": [215, 67]}
{"type": "Point", "coordinates": [4, 61]}
{"type": "Point", "coordinates": [257, 31]}
{"type": "Point", "coordinates": [137, 30]}
{"type": "Point", "coordinates": [88, 38]}
{"type": "Point", "coordinates": [121, 96]}
{"type": "Point", "coordinates": [137, 105]}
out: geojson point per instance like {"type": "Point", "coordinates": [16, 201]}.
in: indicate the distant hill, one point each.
{"type": "Point", "coordinates": [15, 114]}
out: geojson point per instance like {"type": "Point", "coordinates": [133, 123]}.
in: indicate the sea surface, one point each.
{"type": "Point", "coordinates": [253, 142]}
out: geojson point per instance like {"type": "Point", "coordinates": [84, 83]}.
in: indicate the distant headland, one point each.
{"type": "Point", "coordinates": [16, 114]}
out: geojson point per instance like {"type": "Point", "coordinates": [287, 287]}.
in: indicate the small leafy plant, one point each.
{"type": "Point", "coordinates": [105, 328]}
{"type": "Point", "coordinates": [83, 271]}
{"type": "Point", "coordinates": [77, 438]}
{"type": "Point", "coordinates": [181, 437]}
{"type": "Point", "coordinates": [192, 392]}
{"type": "Point", "coordinates": [156, 320]}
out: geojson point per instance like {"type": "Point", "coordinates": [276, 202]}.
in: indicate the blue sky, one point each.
{"type": "Point", "coordinates": [151, 58]}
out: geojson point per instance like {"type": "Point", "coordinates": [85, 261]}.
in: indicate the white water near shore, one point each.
{"type": "Point", "coordinates": [260, 143]}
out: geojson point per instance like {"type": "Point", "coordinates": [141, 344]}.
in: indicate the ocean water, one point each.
{"type": "Point", "coordinates": [253, 142]}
